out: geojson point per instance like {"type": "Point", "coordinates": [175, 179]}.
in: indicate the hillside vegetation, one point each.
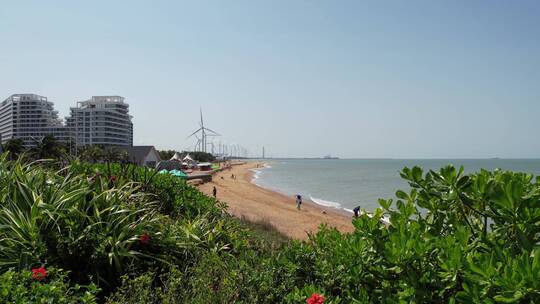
{"type": "Point", "coordinates": [115, 233]}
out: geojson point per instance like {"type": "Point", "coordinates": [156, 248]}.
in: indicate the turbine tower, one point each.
{"type": "Point", "coordinates": [204, 131]}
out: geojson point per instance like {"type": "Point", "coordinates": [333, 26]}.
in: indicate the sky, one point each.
{"type": "Point", "coordinates": [354, 79]}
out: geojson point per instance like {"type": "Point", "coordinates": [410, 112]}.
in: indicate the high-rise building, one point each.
{"type": "Point", "coordinates": [30, 117]}
{"type": "Point", "coordinates": [101, 120]}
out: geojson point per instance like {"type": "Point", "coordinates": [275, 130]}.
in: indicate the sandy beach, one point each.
{"type": "Point", "coordinates": [245, 199]}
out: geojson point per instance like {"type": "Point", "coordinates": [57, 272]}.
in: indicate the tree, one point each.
{"type": "Point", "coordinates": [166, 154]}
{"type": "Point", "coordinates": [91, 154]}
{"type": "Point", "coordinates": [116, 155]}
{"type": "Point", "coordinates": [200, 156]}
{"type": "Point", "coordinates": [14, 146]}
{"type": "Point", "coordinates": [47, 147]}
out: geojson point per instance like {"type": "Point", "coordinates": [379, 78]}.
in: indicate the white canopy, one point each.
{"type": "Point", "coordinates": [188, 159]}
{"type": "Point", "coordinates": [176, 156]}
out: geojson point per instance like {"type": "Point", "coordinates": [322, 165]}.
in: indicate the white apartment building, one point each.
{"type": "Point", "coordinates": [101, 120]}
{"type": "Point", "coordinates": [30, 117]}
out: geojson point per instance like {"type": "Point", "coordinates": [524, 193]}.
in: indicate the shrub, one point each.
{"type": "Point", "coordinates": [63, 219]}
{"type": "Point", "coordinates": [450, 238]}
{"type": "Point", "coordinates": [21, 287]}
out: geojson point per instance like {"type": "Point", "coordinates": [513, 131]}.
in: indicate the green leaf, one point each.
{"type": "Point", "coordinates": [402, 195]}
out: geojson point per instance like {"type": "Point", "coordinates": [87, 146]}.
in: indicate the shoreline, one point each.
{"type": "Point", "coordinates": [247, 199]}
{"type": "Point", "coordinates": [340, 211]}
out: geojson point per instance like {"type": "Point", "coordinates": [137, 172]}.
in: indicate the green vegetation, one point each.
{"type": "Point", "coordinates": [99, 154]}
{"type": "Point", "coordinates": [115, 233]}
{"type": "Point", "coordinates": [14, 147]}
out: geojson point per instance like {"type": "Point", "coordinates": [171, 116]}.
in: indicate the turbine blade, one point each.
{"type": "Point", "coordinates": [194, 132]}
{"type": "Point", "coordinates": [202, 122]}
{"type": "Point", "coordinates": [215, 133]}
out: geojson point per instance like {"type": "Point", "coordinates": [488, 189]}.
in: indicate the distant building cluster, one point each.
{"type": "Point", "coordinates": [101, 120]}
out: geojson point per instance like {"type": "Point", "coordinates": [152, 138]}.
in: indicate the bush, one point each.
{"type": "Point", "coordinates": [451, 238]}
{"type": "Point", "coordinates": [150, 238]}
{"type": "Point", "coordinates": [118, 219]}
{"type": "Point", "coordinates": [50, 218]}
{"type": "Point", "coordinates": [20, 287]}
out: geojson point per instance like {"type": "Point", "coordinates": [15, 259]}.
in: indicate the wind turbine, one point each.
{"type": "Point", "coordinates": [204, 131]}
{"type": "Point", "coordinates": [197, 144]}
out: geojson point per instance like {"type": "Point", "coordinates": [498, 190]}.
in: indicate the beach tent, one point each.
{"type": "Point", "coordinates": [178, 173]}
{"type": "Point", "coordinates": [188, 159]}
{"type": "Point", "coordinates": [176, 157]}
{"type": "Point", "coordinates": [189, 162]}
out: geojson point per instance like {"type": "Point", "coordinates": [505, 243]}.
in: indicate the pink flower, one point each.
{"type": "Point", "coordinates": [315, 299]}
{"type": "Point", "coordinates": [39, 273]}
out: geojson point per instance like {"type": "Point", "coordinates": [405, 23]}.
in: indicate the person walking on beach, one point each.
{"type": "Point", "coordinates": [298, 201]}
{"type": "Point", "coordinates": [356, 211]}
{"type": "Point", "coordinates": [214, 192]}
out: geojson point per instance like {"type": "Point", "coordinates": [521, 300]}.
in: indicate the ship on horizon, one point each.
{"type": "Point", "coordinates": [330, 157]}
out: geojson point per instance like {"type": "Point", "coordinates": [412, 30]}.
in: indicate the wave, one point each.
{"type": "Point", "coordinates": [348, 210]}
{"type": "Point", "coordinates": [257, 172]}
{"type": "Point", "coordinates": [325, 203]}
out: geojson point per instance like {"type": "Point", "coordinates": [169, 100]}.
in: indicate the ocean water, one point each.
{"type": "Point", "coordinates": [347, 183]}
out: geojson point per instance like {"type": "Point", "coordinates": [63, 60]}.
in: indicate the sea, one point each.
{"type": "Point", "coordinates": [347, 183]}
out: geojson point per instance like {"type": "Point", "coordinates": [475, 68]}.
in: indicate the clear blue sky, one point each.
{"type": "Point", "coordinates": [404, 79]}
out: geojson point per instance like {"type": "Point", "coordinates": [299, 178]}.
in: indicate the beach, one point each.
{"type": "Point", "coordinates": [247, 200]}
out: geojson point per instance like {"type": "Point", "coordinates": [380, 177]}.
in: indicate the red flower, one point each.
{"type": "Point", "coordinates": [315, 299]}
{"type": "Point", "coordinates": [144, 239]}
{"type": "Point", "coordinates": [39, 273]}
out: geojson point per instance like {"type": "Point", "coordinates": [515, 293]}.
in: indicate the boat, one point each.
{"type": "Point", "coordinates": [330, 157]}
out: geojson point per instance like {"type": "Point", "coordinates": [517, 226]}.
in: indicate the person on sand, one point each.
{"type": "Point", "coordinates": [298, 201]}
{"type": "Point", "coordinates": [214, 192]}
{"type": "Point", "coordinates": [356, 211]}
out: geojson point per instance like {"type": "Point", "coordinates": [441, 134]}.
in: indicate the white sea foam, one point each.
{"type": "Point", "coordinates": [325, 203]}
{"type": "Point", "coordinates": [257, 173]}
{"type": "Point", "coordinates": [384, 219]}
